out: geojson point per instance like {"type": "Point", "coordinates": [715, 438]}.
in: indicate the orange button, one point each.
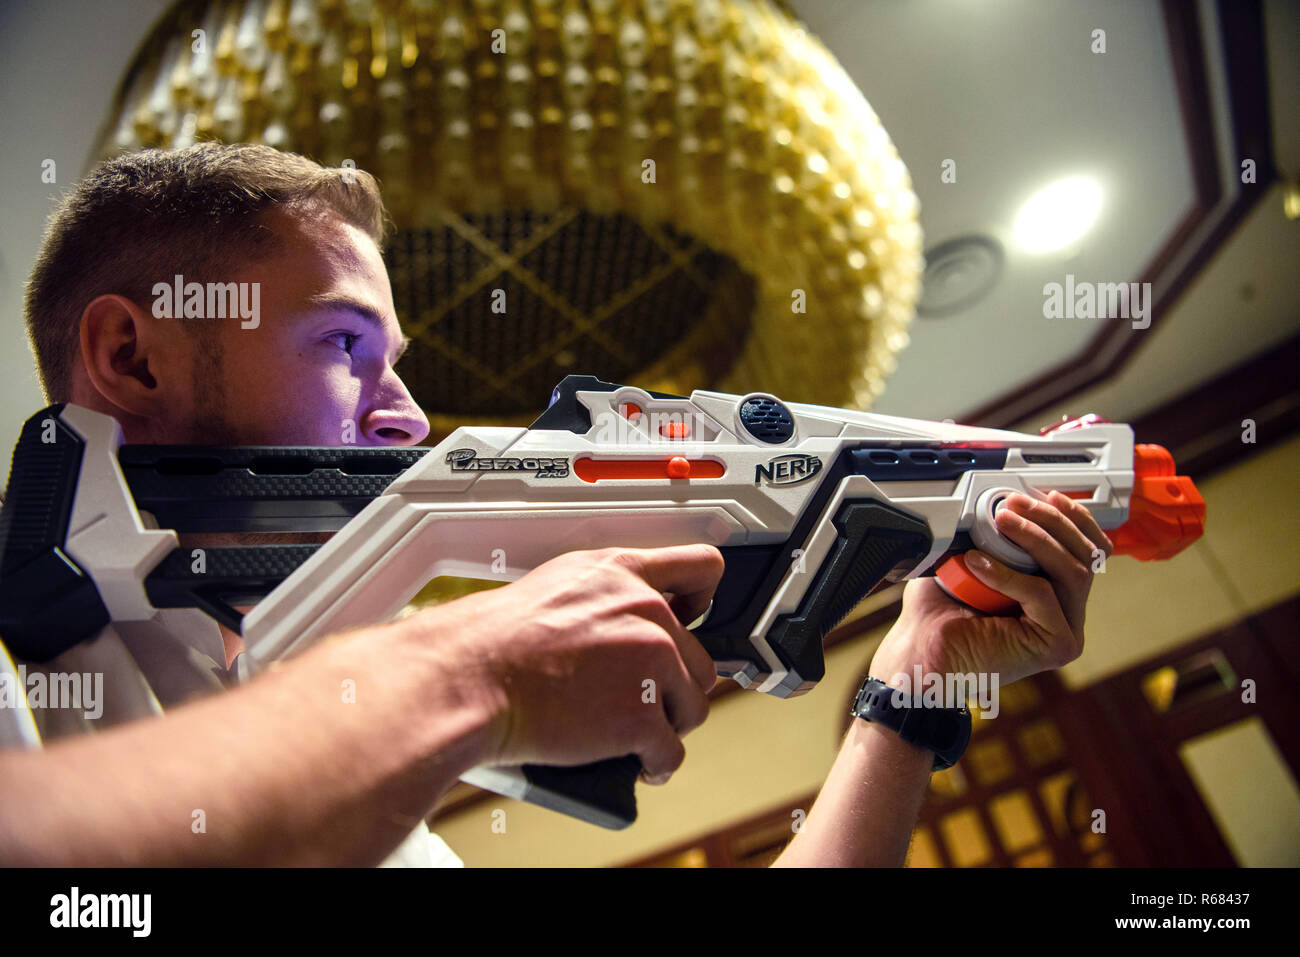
{"type": "Point", "coordinates": [679, 467]}
{"type": "Point", "coordinates": [964, 586]}
{"type": "Point", "coordinates": [675, 430]}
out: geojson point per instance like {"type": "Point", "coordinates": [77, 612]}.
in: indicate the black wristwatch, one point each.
{"type": "Point", "coordinates": [945, 731]}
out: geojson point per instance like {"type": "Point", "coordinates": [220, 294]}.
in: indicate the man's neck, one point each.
{"type": "Point", "coordinates": [234, 643]}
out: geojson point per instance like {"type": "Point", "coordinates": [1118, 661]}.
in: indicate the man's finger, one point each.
{"type": "Point", "coordinates": [684, 609]}
{"type": "Point", "coordinates": [661, 753]}
{"type": "Point", "coordinates": [685, 703]}
{"type": "Point", "coordinates": [1047, 516]}
{"type": "Point", "coordinates": [699, 664]}
{"type": "Point", "coordinates": [1060, 565]}
{"type": "Point", "coordinates": [1084, 520]}
{"type": "Point", "coordinates": [1037, 599]}
{"type": "Point", "coordinates": [690, 572]}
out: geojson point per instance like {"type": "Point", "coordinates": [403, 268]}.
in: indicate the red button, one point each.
{"type": "Point", "coordinates": [597, 470]}
{"type": "Point", "coordinates": [675, 430]}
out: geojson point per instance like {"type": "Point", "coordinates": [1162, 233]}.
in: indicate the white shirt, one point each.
{"type": "Point", "coordinates": [145, 667]}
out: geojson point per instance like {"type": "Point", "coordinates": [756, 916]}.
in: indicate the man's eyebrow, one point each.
{"type": "Point", "coordinates": [329, 300]}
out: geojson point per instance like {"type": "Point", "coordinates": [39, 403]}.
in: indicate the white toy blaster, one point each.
{"type": "Point", "coordinates": [811, 507]}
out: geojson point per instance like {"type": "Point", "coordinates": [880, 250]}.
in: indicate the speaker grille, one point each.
{"type": "Point", "coordinates": [767, 420]}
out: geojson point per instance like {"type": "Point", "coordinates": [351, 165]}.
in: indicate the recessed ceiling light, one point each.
{"type": "Point", "coordinates": [1058, 214]}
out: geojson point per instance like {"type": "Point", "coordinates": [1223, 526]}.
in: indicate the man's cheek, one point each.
{"type": "Point", "coordinates": [343, 430]}
{"type": "Point", "coordinates": [300, 422]}
{"type": "Point", "coordinates": [334, 416]}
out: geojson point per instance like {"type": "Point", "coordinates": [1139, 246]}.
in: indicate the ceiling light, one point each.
{"type": "Point", "coordinates": [1058, 215]}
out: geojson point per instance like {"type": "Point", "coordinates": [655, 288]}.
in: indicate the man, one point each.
{"type": "Point", "coordinates": [547, 669]}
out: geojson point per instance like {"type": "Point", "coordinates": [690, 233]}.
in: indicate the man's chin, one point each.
{"type": "Point", "coordinates": [216, 430]}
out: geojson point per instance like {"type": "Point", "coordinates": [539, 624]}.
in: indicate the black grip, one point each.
{"type": "Point", "coordinates": [47, 603]}
{"type": "Point", "coordinates": [872, 540]}
{"type": "Point", "coordinates": [602, 793]}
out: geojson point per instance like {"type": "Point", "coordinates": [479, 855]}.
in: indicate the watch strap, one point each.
{"type": "Point", "coordinates": [945, 731]}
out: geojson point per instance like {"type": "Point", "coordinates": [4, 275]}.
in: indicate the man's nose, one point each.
{"type": "Point", "coordinates": [395, 419]}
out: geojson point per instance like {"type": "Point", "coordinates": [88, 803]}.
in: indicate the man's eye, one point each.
{"type": "Point", "coordinates": [346, 340]}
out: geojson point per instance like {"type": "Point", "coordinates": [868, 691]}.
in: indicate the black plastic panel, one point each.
{"type": "Point", "coordinates": [259, 488]}
{"type": "Point", "coordinates": [751, 575]}
{"type": "Point", "coordinates": [872, 540]}
{"type": "Point", "coordinates": [47, 603]}
{"type": "Point", "coordinates": [236, 575]}
{"type": "Point", "coordinates": [906, 464]}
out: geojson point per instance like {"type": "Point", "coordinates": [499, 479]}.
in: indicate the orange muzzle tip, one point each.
{"type": "Point", "coordinates": [1165, 512]}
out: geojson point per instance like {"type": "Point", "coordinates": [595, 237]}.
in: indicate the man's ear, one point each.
{"type": "Point", "coordinates": [121, 349]}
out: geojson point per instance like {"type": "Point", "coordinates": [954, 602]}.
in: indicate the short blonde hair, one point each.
{"type": "Point", "coordinates": [143, 217]}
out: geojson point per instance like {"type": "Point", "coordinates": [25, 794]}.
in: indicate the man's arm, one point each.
{"type": "Point", "coordinates": [284, 770]}
{"type": "Point", "coordinates": [290, 770]}
{"type": "Point", "coordinates": [868, 806]}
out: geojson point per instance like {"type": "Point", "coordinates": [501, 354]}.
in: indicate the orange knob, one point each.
{"type": "Point", "coordinates": [959, 583]}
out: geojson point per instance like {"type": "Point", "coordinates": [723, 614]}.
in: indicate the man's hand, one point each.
{"type": "Point", "coordinates": [566, 653]}
{"type": "Point", "coordinates": [945, 638]}
{"type": "Point", "coordinates": [867, 808]}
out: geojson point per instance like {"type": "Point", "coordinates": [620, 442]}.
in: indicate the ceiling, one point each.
{"type": "Point", "coordinates": [1013, 93]}
{"type": "Point", "coordinates": [1008, 89]}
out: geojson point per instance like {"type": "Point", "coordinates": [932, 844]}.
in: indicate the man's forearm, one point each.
{"type": "Point", "coordinates": [867, 808]}
{"type": "Point", "coordinates": [299, 767]}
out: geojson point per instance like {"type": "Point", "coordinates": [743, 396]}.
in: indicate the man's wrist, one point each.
{"type": "Point", "coordinates": [439, 691]}
{"type": "Point", "coordinates": [904, 755]}
{"type": "Point", "coordinates": [893, 669]}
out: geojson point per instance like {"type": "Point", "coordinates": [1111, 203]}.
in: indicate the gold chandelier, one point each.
{"type": "Point", "coordinates": [675, 194]}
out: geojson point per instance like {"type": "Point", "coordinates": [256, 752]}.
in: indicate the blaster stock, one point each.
{"type": "Point", "coordinates": [811, 507]}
